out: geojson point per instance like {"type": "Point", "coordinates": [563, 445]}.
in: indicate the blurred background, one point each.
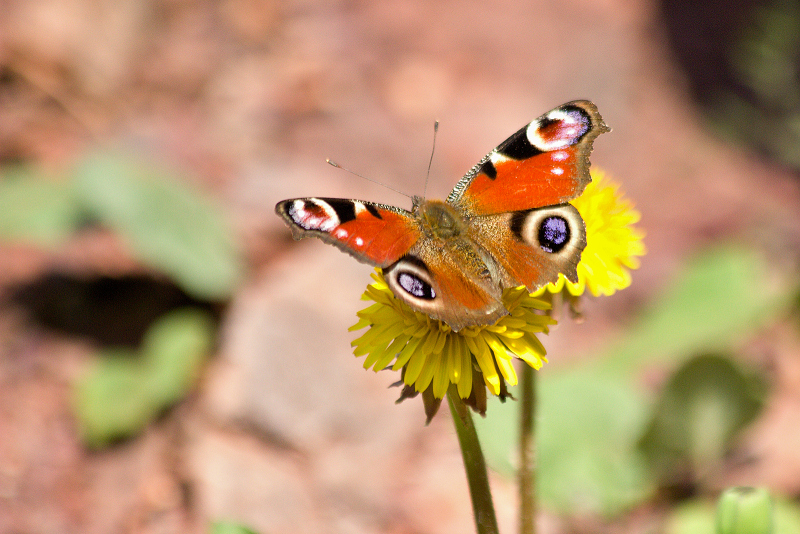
{"type": "Point", "coordinates": [170, 358]}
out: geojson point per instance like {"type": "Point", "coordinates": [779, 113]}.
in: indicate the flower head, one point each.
{"type": "Point", "coordinates": [432, 357]}
{"type": "Point", "coordinates": [612, 243]}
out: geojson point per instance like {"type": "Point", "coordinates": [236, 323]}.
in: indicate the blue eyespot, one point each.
{"type": "Point", "coordinates": [415, 286]}
{"type": "Point", "coordinates": [553, 234]}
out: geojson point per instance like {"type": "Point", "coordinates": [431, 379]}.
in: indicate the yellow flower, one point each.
{"type": "Point", "coordinates": [612, 244]}
{"type": "Point", "coordinates": [432, 357]}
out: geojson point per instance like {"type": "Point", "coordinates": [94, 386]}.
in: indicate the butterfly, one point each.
{"type": "Point", "coordinates": [507, 223]}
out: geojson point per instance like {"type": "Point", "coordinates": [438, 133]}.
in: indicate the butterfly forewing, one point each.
{"type": "Point", "coordinates": [543, 164]}
{"type": "Point", "coordinates": [372, 233]}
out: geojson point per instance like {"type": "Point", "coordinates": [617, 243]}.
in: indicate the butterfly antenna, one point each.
{"type": "Point", "coordinates": [435, 131]}
{"type": "Point", "coordinates": [334, 164]}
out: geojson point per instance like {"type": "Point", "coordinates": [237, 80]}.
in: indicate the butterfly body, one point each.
{"type": "Point", "coordinates": [437, 219]}
{"type": "Point", "coordinates": [507, 222]}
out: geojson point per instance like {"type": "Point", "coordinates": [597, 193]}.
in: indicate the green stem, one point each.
{"type": "Point", "coordinates": [527, 452]}
{"type": "Point", "coordinates": [474, 465]}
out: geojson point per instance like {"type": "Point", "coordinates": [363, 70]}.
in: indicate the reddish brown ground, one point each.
{"type": "Point", "coordinates": [287, 433]}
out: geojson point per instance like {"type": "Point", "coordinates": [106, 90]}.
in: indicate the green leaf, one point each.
{"type": "Point", "coordinates": [175, 349]}
{"type": "Point", "coordinates": [592, 417]}
{"type": "Point", "coordinates": [586, 458]}
{"type": "Point", "coordinates": [168, 225]}
{"type": "Point", "coordinates": [36, 209]}
{"type": "Point", "coordinates": [787, 517]}
{"type": "Point", "coordinates": [692, 517]}
{"type": "Point", "coordinates": [226, 527]}
{"type": "Point", "coordinates": [124, 391]}
{"type": "Point", "coordinates": [111, 401]}
{"type": "Point", "coordinates": [699, 516]}
{"type": "Point", "coordinates": [705, 403]}
{"type": "Point", "coordinates": [721, 296]}
{"type": "Point", "coordinates": [745, 510]}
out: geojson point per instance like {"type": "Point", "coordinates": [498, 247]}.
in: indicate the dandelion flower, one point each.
{"type": "Point", "coordinates": [431, 356]}
{"type": "Point", "coordinates": [612, 243]}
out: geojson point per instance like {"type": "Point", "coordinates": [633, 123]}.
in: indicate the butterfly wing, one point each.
{"type": "Point", "coordinates": [506, 223]}
{"type": "Point", "coordinates": [372, 233]}
{"type": "Point", "coordinates": [447, 280]}
{"type": "Point", "coordinates": [515, 201]}
{"type": "Point", "coordinates": [543, 164]}
{"type": "Point", "coordinates": [461, 280]}
{"type": "Point", "coordinates": [532, 247]}
{"type": "Point", "coordinates": [444, 279]}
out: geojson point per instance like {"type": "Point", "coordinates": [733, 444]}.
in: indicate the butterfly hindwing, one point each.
{"type": "Point", "coordinates": [372, 233]}
{"type": "Point", "coordinates": [532, 247]}
{"type": "Point", "coordinates": [447, 281]}
{"type": "Point", "coordinates": [543, 164]}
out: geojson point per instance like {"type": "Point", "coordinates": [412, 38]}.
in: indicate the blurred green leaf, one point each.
{"type": "Point", "coordinates": [787, 517]}
{"type": "Point", "coordinates": [590, 418]}
{"type": "Point", "coordinates": [225, 527]}
{"type": "Point", "coordinates": [175, 349]}
{"type": "Point", "coordinates": [124, 391]}
{"type": "Point", "coordinates": [763, 107]}
{"type": "Point", "coordinates": [698, 516]}
{"type": "Point", "coordinates": [720, 297]}
{"type": "Point", "coordinates": [705, 403]}
{"type": "Point", "coordinates": [586, 459]}
{"type": "Point", "coordinates": [112, 401]}
{"type": "Point", "coordinates": [745, 510]}
{"type": "Point", "coordinates": [765, 58]}
{"type": "Point", "coordinates": [168, 225]}
{"type": "Point", "coordinates": [36, 209]}
{"type": "Point", "coordinates": [692, 517]}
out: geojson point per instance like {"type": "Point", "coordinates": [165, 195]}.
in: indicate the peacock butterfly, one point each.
{"type": "Point", "coordinates": [507, 222]}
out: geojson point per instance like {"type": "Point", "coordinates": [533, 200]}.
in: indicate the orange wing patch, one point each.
{"type": "Point", "coordinates": [383, 240]}
{"type": "Point", "coordinates": [369, 232]}
{"type": "Point", "coordinates": [543, 164]}
{"type": "Point", "coordinates": [543, 180]}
